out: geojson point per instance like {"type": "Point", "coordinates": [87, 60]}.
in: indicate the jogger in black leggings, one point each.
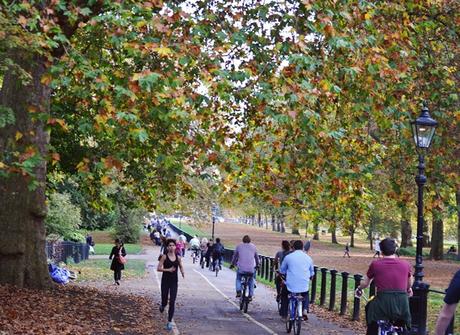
{"type": "Point", "coordinates": [169, 264]}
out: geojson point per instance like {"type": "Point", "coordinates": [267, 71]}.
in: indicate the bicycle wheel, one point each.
{"type": "Point", "coordinates": [246, 304]}
{"type": "Point", "coordinates": [289, 322]}
{"type": "Point", "coordinates": [297, 325]}
{"type": "Point", "coordinates": [243, 297]}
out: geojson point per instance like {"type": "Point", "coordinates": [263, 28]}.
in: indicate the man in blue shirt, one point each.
{"type": "Point", "coordinates": [298, 268]}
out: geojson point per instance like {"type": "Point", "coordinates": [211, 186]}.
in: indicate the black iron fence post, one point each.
{"type": "Point", "coordinates": [343, 296]}
{"type": "Point", "coordinates": [356, 301]}
{"type": "Point", "coordinates": [267, 267]}
{"type": "Point", "coordinates": [313, 285]}
{"type": "Point", "coordinates": [322, 299]}
{"type": "Point", "coordinates": [332, 290]}
{"type": "Point", "coordinates": [261, 264]}
{"type": "Point", "coordinates": [271, 269]}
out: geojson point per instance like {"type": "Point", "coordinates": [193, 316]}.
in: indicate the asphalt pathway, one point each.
{"type": "Point", "coordinates": [206, 304]}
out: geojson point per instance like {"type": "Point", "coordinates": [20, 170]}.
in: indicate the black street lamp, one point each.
{"type": "Point", "coordinates": [423, 129]}
{"type": "Point", "coordinates": [213, 213]}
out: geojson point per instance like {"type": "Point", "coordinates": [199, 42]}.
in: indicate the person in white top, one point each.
{"type": "Point", "coordinates": [376, 248]}
{"type": "Point", "coordinates": [195, 245]}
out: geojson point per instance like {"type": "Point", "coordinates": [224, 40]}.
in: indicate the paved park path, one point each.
{"type": "Point", "coordinates": [206, 304]}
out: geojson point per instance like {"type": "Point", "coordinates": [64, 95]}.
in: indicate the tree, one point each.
{"type": "Point", "coordinates": [63, 218]}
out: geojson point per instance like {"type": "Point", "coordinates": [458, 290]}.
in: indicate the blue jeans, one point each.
{"type": "Point", "coordinates": [218, 260]}
{"type": "Point", "coordinates": [285, 301]}
{"type": "Point", "coordinates": [239, 274]}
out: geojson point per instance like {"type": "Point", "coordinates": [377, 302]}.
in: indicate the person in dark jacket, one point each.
{"type": "Point", "coordinates": [116, 265]}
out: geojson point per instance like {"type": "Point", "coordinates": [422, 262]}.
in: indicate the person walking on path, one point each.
{"type": "Point", "coordinates": [347, 250]}
{"type": "Point", "coordinates": [298, 269]}
{"type": "Point", "coordinates": [116, 266]}
{"type": "Point", "coordinates": [169, 264]}
{"type": "Point", "coordinates": [392, 277]}
{"type": "Point", "coordinates": [376, 248]}
{"type": "Point", "coordinates": [182, 243]}
{"type": "Point", "coordinates": [451, 300]}
{"type": "Point", "coordinates": [246, 259]}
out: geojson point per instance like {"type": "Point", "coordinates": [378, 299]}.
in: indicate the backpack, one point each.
{"type": "Point", "coordinates": [219, 248]}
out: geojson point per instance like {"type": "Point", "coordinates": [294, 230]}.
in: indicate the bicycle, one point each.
{"type": "Point", "coordinates": [195, 255]}
{"type": "Point", "coordinates": [202, 259]}
{"type": "Point", "coordinates": [385, 327]}
{"type": "Point", "coordinates": [389, 328]}
{"type": "Point", "coordinates": [295, 313]}
{"type": "Point", "coordinates": [244, 298]}
{"type": "Point", "coordinates": [217, 264]}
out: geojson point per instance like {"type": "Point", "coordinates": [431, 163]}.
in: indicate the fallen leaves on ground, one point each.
{"type": "Point", "coordinates": [76, 310]}
{"type": "Point", "coordinates": [334, 317]}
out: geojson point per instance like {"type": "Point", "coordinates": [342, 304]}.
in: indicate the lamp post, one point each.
{"type": "Point", "coordinates": [213, 213]}
{"type": "Point", "coordinates": [423, 129]}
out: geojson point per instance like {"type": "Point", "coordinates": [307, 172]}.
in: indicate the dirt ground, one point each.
{"type": "Point", "coordinates": [325, 254]}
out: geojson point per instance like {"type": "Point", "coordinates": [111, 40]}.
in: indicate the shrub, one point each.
{"type": "Point", "coordinates": [410, 251]}
{"type": "Point", "coordinates": [63, 217]}
{"type": "Point", "coordinates": [129, 224]}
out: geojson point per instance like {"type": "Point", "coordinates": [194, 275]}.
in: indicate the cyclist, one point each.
{"type": "Point", "coordinates": [208, 254]}
{"type": "Point", "coordinates": [203, 248]}
{"type": "Point", "coordinates": [195, 245]}
{"type": "Point", "coordinates": [285, 250]}
{"type": "Point", "coordinates": [217, 254]}
{"type": "Point", "coordinates": [246, 259]}
{"type": "Point", "coordinates": [392, 277]}
{"type": "Point", "coordinates": [298, 269]}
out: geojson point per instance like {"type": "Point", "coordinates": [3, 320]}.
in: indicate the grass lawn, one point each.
{"type": "Point", "coordinates": [188, 229]}
{"type": "Point", "coordinates": [106, 248]}
{"type": "Point", "coordinates": [99, 269]}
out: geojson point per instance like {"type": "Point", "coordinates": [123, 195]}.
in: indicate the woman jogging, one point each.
{"type": "Point", "coordinates": [169, 264]}
{"type": "Point", "coordinates": [117, 265]}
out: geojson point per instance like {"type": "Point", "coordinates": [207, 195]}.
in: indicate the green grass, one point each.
{"type": "Point", "coordinates": [99, 269]}
{"type": "Point", "coordinates": [188, 229]}
{"type": "Point", "coordinates": [106, 248]}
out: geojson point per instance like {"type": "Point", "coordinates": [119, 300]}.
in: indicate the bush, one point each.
{"type": "Point", "coordinates": [410, 251]}
{"type": "Point", "coordinates": [129, 224]}
{"type": "Point", "coordinates": [63, 217]}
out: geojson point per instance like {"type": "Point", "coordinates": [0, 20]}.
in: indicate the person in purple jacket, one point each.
{"type": "Point", "coordinates": [246, 259]}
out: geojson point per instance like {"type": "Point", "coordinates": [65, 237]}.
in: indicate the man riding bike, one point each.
{"type": "Point", "coordinates": [217, 254]}
{"type": "Point", "coordinates": [392, 277]}
{"type": "Point", "coordinates": [195, 245]}
{"type": "Point", "coordinates": [298, 269]}
{"type": "Point", "coordinates": [246, 259]}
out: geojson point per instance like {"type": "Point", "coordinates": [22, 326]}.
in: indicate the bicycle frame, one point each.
{"type": "Point", "coordinates": [295, 301]}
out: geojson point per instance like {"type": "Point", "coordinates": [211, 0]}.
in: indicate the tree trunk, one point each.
{"type": "Point", "coordinates": [273, 222]}
{"type": "Point", "coordinates": [437, 232]}
{"type": "Point", "coordinates": [334, 233]}
{"type": "Point", "coordinates": [259, 219]}
{"type": "Point", "coordinates": [306, 228]}
{"type": "Point", "coordinates": [283, 227]}
{"type": "Point", "coordinates": [457, 198]}
{"type": "Point", "coordinates": [266, 220]}
{"type": "Point", "coordinates": [316, 228]}
{"type": "Point", "coordinates": [426, 235]}
{"type": "Point", "coordinates": [22, 211]}
{"type": "Point", "coordinates": [278, 223]}
{"type": "Point", "coordinates": [406, 228]}
{"type": "Point", "coordinates": [352, 237]}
